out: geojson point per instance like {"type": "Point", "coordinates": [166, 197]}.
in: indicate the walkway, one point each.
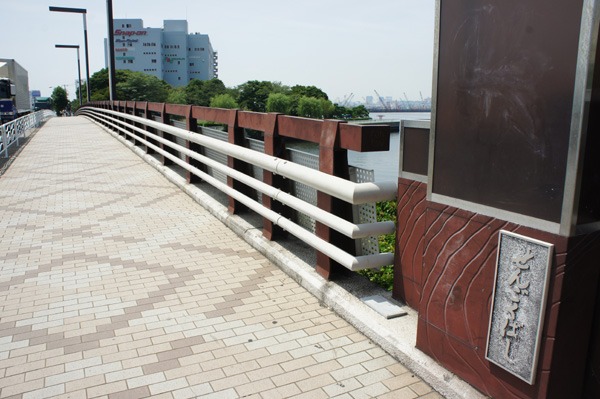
{"type": "Point", "coordinates": [115, 284]}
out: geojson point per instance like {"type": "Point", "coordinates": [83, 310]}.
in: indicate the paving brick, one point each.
{"type": "Point", "coordinates": [132, 290]}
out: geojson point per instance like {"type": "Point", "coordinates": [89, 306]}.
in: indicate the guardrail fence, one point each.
{"type": "Point", "coordinates": [253, 172]}
{"type": "Point", "coordinates": [12, 132]}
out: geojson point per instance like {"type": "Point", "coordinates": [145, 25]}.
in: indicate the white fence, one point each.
{"type": "Point", "coordinates": [18, 129]}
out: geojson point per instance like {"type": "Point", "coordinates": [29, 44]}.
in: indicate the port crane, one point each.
{"type": "Point", "coordinates": [346, 100]}
{"type": "Point", "coordinates": [381, 101]}
{"type": "Point", "coordinates": [422, 101]}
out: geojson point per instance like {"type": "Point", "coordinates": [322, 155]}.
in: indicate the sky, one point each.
{"type": "Point", "coordinates": [343, 47]}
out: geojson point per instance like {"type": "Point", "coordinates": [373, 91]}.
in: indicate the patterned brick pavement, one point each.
{"type": "Point", "coordinates": [115, 284]}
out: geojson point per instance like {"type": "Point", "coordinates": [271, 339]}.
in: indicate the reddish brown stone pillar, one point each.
{"type": "Point", "coordinates": [235, 136]}
{"type": "Point", "coordinates": [408, 258]}
{"type": "Point", "coordinates": [334, 161]}
{"type": "Point", "coordinates": [191, 124]}
{"type": "Point", "coordinates": [165, 119]}
{"type": "Point", "coordinates": [273, 146]}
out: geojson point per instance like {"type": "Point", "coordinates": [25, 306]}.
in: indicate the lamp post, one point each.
{"type": "Point", "coordinates": [82, 11]}
{"type": "Point", "coordinates": [78, 65]}
{"type": "Point", "coordinates": [112, 82]}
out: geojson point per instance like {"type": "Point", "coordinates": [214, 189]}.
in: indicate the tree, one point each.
{"type": "Point", "coordinates": [177, 96]}
{"type": "Point", "coordinates": [327, 107]}
{"type": "Point", "coordinates": [360, 112]}
{"type": "Point", "coordinates": [200, 92]}
{"type": "Point", "coordinates": [223, 101]}
{"type": "Point", "coordinates": [309, 91]}
{"type": "Point", "coordinates": [279, 102]}
{"type": "Point", "coordinates": [59, 99]}
{"type": "Point", "coordinates": [254, 94]}
{"type": "Point", "coordinates": [143, 87]}
{"type": "Point", "coordinates": [310, 107]}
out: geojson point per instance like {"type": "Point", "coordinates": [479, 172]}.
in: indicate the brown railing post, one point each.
{"type": "Point", "coordinates": [235, 136]}
{"type": "Point", "coordinates": [165, 119]}
{"type": "Point", "coordinates": [191, 124]}
{"type": "Point", "coordinates": [333, 160]}
{"type": "Point", "coordinates": [273, 146]}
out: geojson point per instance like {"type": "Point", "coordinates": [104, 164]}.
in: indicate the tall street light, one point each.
{"type": "Point", "coordinates": [82, 11]}
{"type": "Point", "coordinates": [78, 65]}
{"type": "Point", "coordinates": [112, 82]}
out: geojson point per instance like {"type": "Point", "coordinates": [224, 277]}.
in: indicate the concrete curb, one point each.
{"type": "Point", "coordinates": [393, 337]}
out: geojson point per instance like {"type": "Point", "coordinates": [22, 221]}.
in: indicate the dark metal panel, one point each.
{"type": "Point", "coordinates": [589, 200]}
{"type": "Point", "coordinates": [415, 151]}
{"type": "Point", "coordinates": [506, 77]}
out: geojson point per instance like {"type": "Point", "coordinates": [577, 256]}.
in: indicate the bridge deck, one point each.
{"type": "Point", "coordinates": [115, 284]}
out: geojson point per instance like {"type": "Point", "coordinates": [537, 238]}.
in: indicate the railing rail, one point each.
{"type": "Point", "coordinates": [163, 139]}
{"type": "Point", "coordinates": [12, 132]}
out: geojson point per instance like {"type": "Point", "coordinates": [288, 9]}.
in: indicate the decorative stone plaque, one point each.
{"type": "Point", "coordinates": [519, 300]}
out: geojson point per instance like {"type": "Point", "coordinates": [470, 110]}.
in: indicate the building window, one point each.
{"type": "Point", "coordinates": [129, 25]}
{"type": "Point", "coordinates": [154, 61]}
{"type": "Point", "coordinates": [124, 61]}
{"type": "Point", "coordinates": [124, 54]}
{"type": "Point", "coordinates": [179, 78]}
{"type": "Point", "coordinates": [191, 64]}
{"type": "Point", "coordinates": [178, 62]}
{"type": "Point", "coordinates": [130, 61]}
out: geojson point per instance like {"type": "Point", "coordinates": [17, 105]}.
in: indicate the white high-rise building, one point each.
{"type": "Point", "coordinates": [168, 53]}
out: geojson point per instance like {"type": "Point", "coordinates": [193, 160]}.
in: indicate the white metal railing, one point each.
{"type": "Point", "coordinates": [354, 193]}
{"type": "Point", "coordinates": [13, 131]}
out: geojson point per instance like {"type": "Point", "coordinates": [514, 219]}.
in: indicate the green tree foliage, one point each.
{"type": "Point", "coordinates": [75, 104]}
{"type": "Point", "coordinates": [279, 102]}
{"type": "Point", "coordinates": [310, 107]}
{"type": "Point", "coordinates": [200, 92]}
{"type": "Point", "coordinates": [360, 112]}
{"type": "Point", "coordinates": [59, 99]}
{"type": "Point", "coordinates": [143, 87]}
{"type": "Point", "coordinates": [254, 94]}
{"type": "Point", "coordinates": [328, 108]}
{"type": "Point", "coordinates": [177, 96]}
{"type": "Point", "coordinates": [309, 91]}
{"type": "Point", "coordinates": [223, 101]}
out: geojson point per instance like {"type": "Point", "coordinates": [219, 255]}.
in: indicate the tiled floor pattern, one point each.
{"type": "Point", "coordinates": [114, 284]}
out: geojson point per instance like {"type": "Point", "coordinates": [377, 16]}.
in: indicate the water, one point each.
{"type": "Point", "coordinates": [384, 163]}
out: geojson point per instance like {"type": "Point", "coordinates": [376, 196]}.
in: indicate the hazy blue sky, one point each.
{"type": "Point", "coordinates": [341, 46]}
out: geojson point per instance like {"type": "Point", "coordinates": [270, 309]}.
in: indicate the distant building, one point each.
{"type": "Point", "coordinates": [168, 53]}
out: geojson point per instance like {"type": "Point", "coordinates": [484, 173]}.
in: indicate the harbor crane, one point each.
{"type": "Point", "coordinates": [422, 101]}
{"type": "Point", "coordinates": [381, 101]}
{"type": "Point", "coordinates": [346, 100]}
{"type": "Point", "coordinates": [407, 102]}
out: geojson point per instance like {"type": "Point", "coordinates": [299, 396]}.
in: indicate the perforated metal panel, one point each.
{"type": "Point", "coordinates": [365, 213]}
{"type": "Point", "coordinates": [257, 173]}
{"type": "Point", "coordinates": [302, 191]}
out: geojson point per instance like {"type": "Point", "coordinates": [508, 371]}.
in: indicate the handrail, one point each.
{"type": "Point", "coordinates": [11, 132]}
{"type": "Point", "coordinates": [354, 193]}
{"type": "Point", "coordinates": [273, 164]}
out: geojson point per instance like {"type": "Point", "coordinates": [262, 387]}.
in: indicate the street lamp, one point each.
{"type": "Point", "coordinates": [78, 66]}
{"type": "Point", "coordinates": [82, 11]}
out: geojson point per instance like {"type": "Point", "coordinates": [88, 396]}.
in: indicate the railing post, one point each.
{"type": "Point", "coordinates": [273, 146]}
{"type": "Point", "coordinates": [235, 136]}
{"type": "Point", "coordinates": [191, 124]}
{"type": "Point", "coordinates": [147, 116]}
{"type": "Point", "coordinates": [334, 161]}
{"type": "Point", "coordinates": [3, 130]}
{"type": "Point", "coordinates": [167, 121]}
